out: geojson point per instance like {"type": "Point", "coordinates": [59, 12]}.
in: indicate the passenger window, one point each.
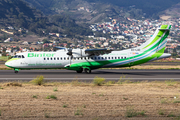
{"type": "Point", "coordinates": [85, 58]}
{"type": "Point", "coordinates": [23, 56]}
{"type": "Point", "coordinates": [58, 58]}
{"type": "Point", "coordinates": [51, 58]}
{"type": "Point", "coordinates": [102, 58]}
{"type": "Point", "coordinates": [115, 58]}
{"type": "Point", "coordinates": [121, 57]}
{"type": "Point", "coordinates": [67, 58]}
{"type": "Point", "coordinates": [54, 58]}
{"type": "Point", "coordinates": [61, 58]}
{"type": "Point", "coordinates": [19, 56]}
{"type": "Point", "coordinates": [64, 58]}
{"type": "Point", "coordinates": [105, 57]}
{"type": "Point", "coordinates": [99, 58]}
{"type": "Point", "coordinates": [112, 57]}
{"type": "Point", "coordinates": [91, 57]}
{"type": "Point", "coordinates": [47, 58]}
{"type": "Point", "coordinates": [124, 57]}
{"type": "Point", "coordinates": [118, 57]}
{"type": "Point", "coordinates": [44, 58]}
{"type": "Point", "coordinates": [95, 58]}
{"type": "Point", "coordinates": [78, 58]}
{"type": "Point", "coordinates": [109, 58]}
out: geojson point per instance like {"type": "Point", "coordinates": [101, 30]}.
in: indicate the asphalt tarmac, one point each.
{"type": "Point", "coordinates": [108, 74]}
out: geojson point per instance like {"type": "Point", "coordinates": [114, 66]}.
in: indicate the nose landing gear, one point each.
{"type": "Point", "coordinates": [16, 70]}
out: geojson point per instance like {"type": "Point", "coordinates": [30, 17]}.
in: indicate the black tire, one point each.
{"type": "Point", "coordinates": [15, 71]}
{"type": "Point", "coordinates": [79, 71]}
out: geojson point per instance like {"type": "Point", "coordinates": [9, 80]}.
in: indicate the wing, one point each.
{"type": "Point", "coordinates": [97, 52]}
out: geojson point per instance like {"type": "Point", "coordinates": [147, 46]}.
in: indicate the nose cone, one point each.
{"type": "Point", "coordinates": [8, 63]}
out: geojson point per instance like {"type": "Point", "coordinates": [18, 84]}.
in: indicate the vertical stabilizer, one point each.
{"type": "Point", "coordinates": [158, 40]}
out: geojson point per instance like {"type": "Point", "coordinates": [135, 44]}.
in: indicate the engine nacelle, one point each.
{"type": "Point", "coordinates": [79, 53]}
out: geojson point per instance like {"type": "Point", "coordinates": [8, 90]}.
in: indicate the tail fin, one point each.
{"type": "Point", "coordinates": [158, 40]}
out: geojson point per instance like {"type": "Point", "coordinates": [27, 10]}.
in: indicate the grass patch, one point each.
{"type": "Point", "coordinates": [130, 112]}
{"type": "Point", "coordinates": [176, 101]}
{"type": "Point", "coordinates": [84, 106]}
{"type": "Point", "coordinates": [4, 58]}
{"type": "Point", "coordinates": [47, 115]}
{"type": "Point", "coordinates": [123, 79]}
{"type": "Point", "coordinates": [65, 105]}
{"type": "Point", "coordinates": [110, 83]}
{"type": "Point", "coordinates": [101, 94]}
{"type": "Point", "coordinates": [14, 84]}
{"type": "Point", "coordinates": [171, 115]}
{"type": "Point", "coordinates": [161, 112]}
{"type": "Point", "coordinates": [78, 112]}
{"type": "Point", "coordinates": [34, 96]}
{"type": "Point", "coordinates": [51, 97]}
{"type": "Point", "coordinates": [55, 89]}
{"type": "Point", "coordinates": [1, 88]}
{"type": "Point", "coordinates": [39, 80]}
{"type": "Point", "coordinates": [98, 81]}
{"type": "Point", "coordinates": [164, 101]}
{"type": "Point", "coordinates": [142, 113]}
{"type": "Point", "coordinates": [170, 82]}
{"type": "Point", "coordinates": [125, 98]}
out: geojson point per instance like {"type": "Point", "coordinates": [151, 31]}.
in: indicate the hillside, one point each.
{"type": "Point", "coordinates": [174, 11]}
{"type": "Point", "coordinates": [100, 10]}
{"type": "Point", "coordinates": [18, 14]}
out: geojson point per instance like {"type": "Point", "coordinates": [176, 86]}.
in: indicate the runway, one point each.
{"type": "Point", "coordinates": [108, 74]}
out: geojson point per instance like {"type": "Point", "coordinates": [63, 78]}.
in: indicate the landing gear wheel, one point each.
{"type": "Point", "coordinates": [79, 71]}
{"type": "Point", "coordinates": [87, 71]}
{"type": "Point", "coordinates": [15, 71]}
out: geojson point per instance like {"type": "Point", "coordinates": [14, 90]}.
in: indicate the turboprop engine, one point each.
{"type": "Point", "coordinates": [77, 53]}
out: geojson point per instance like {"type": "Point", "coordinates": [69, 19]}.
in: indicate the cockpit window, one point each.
{"type": "Point", "coordinates": [19, 56]}
{"type": "Point", "coordinates": [15, 56]}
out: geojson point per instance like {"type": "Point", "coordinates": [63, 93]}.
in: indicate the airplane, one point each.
{"type": "Point", "coordinates": [86, 60]}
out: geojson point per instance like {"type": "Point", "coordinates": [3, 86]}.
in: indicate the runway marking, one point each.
{"type": "Point", "coordinates": [92, 78]}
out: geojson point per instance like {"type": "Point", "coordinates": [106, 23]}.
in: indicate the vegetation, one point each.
{"type": "Point", "coordinates": [39, 80]}
{"type": "Point", "coordinates": [136, 9]}
{"type": "Point", "coordinates": [55, 89]}
{"type": "Point", "coordinates": [51, 97]}
{"type": "Point", "coordinates": [65, 105]}
{"type": "Point", "coordinates": [18, 14]}
{"type": "Point", "coordinates": [78, 112]}
{"type": "Point", "coordinates": [14, 84]}
{"type": "Point", "coordinates": [98, 81]}
{"type": "Point", "coordinates": [130, 112]}
{"type": "Point", "coordinates": [34, 96]}
{"type": "Point", "coordinates": [161, 112]}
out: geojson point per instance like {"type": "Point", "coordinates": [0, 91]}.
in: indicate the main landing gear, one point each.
{"type": "Point", "coordinates": [86, 70]}
{"type": "Point", "coordinates": [79, 71]}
